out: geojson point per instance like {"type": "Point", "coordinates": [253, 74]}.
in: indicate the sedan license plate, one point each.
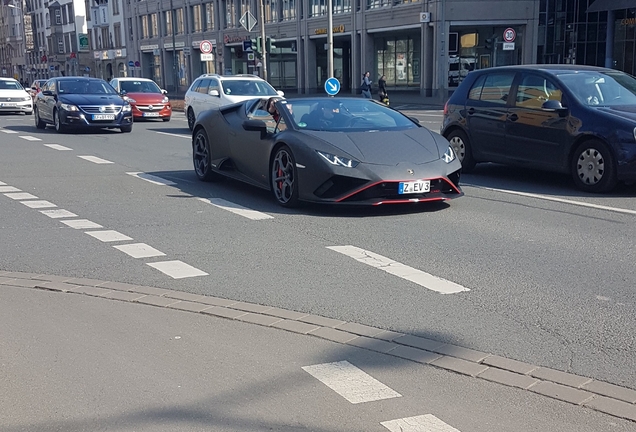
{"type": "Point", "coordinates": [103, 117]}
{"type": "Point", "coordinates": [153, 114]}
{"type": "Point", "coordinates": [418, 186]}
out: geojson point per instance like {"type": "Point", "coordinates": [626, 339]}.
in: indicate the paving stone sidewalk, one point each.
{"type": "Point", "coordinates": [578, 390]}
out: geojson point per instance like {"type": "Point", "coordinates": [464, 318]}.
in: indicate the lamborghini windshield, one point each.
{"type": "Point", "coordinates": [345, 115]}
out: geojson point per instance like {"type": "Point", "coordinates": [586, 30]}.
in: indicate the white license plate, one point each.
{"type": "Point", "coordinates": [8, 105]}
{"type": "Point", "coordinates": [418, 186]}
{"type": "Point", "coordinates": [103, 117]}
{"type": "Point", "coordinates": [151, 114]}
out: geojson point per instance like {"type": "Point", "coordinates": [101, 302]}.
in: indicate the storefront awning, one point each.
{"type": "Point", "coordinates": [608, 5]}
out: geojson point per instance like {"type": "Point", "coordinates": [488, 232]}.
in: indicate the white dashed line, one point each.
{"type": "Point", "coordinates": [422, 423]}
{"type": "Point", "coordinates": [175, 135]}
{"type": "Point", "coordinates": [351, 383]}
{"type": "Point", "coordinates": [395, 268]}
{"type": "Point", "coordinates": [560, 200]}
{"type": "Point", "coordinates": [139, 250]}
{"type": "Point", "coordinates": [2, 183]}
{"type": "Point", "coordinates": [108, 236]}
{"type": "Point", "coordinates": [81, 224]}
{"type": "Point", "coordinates": [30, 138]}
{"type": "Point", "coordinates": [236, 209]}
{"type": "Point", "coordinates": [177, 269]}
{"type": "Point", "coordinates": [8, 189]}
{"type": "Point", "coordinates": [57, 147]}
{"type": "Point", "coordinates": [38, 204]}
{"type": "Point", "coordinates": [152, 179]}
{"type": "Point", "coordinates": [56, 214]}
{"type": "Point", "coordinates": [20, 196]}
{"type": "Point", "coordinates": [9, 131]}
{"type": "Point", "coordinates": [95, 159]}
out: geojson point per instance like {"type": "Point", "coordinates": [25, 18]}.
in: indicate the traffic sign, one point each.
{"type": "Point", "coordinates": [248, 21]}
{"type": "Point", "coordinates": [205, 47]}
{"type": "Point", "coordinates": [247, 46]}
{"type": "Point", "coordinates": [332, 86]}
{"type": "Point", "coordinates": [509, 34]}
{"type": "Point", "coordinates": [131, 63]}
{"type": "Point", "coordinates": [250, 56]}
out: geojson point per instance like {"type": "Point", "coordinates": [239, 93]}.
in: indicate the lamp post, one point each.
{"type": "Point", "coordinates": [263, 42]}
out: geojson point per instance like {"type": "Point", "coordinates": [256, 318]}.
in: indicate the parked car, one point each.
{"type": "Point", "coordinates": [36, 87]}
{"type": "Point", "coordinates": [79, 102]}
{"type": "Point", "coordinates": [573, 119]}
{"type": "Point", "coordinates": [350, 151]}
{"type": "Point", "coordinates": [147, 99]}
{"type": "Point", "coordinates": [211, 91]}
{"type": "Point", "coordinates": [14, 98]}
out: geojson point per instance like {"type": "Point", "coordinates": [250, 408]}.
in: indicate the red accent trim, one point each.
{"type": "Point", "coordinates": [419, 200]}
{"type": "Point", "coordinates": [357, 191]}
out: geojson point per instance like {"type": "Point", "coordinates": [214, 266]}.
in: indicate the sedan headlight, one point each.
{"type": "Point", "coordinates": [126, 108]}
{"type": "Point", "coordinates": [338, 160]}
{"type": "Point", "coordinates": [165, 100]}
{"type": "Point", "coordinates": [449, 156]}
{"type": "Point", "coordinates": [69, 107]}
{"type": "Point", "coordinates": [130, 100]}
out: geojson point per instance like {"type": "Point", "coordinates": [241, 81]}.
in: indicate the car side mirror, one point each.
{"type": "Point", "coordinates": [255, 126]}
{"type": "Point", "coordinates": [47, 93]}
{"type": "Point", "coordinates": [281, 93]}
{"type": "Point", "coordinates": [415, 120]}
{"type": "Point", "coordinates": [214, 93]}
{"type": "Point", "coordinates": [554, 106]}
{"type": "Point", "coordinates": [164, 91]}
{"type": "Point", "coordinates": [123, 93]}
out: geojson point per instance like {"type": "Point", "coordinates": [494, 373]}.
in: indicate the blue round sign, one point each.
{"type": "Point", "coordinates": [131, 63]}
{"type": "Point", "coordinates": [332, 86]}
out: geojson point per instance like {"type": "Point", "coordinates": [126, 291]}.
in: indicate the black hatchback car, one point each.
{"type": "Point", "coordinates": [565, 118]}
{"type": "Point", "coordinates": [79, 102]}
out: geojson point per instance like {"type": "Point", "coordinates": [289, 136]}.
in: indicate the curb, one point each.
{"type": "Point", "coordinates": [578, 390]}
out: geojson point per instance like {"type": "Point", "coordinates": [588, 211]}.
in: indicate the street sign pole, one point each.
{"type": "Point", "coordinates": [264, 43]}
{"type": "Point", "coordinates": [330, 39]}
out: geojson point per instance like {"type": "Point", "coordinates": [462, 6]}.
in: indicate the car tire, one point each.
{"type": "Point", "coordinates": [202, 157]}
{"type": "Point", "coordinates": [126, 129]}
{"type": "Point", "coordinates": [461, 146]}
{"type": "Point", "coordinates": [191, 118]}
{"type": "Point", "coordinates": [59, 127]}
{"type": "Point", "coordinates": [39, 124]}
{"type": "Point", "coordinates": [284, 177]}
{"type": "Point", "coordinates": [166, 119]}
{"type": "Point", "coordinates": [593, 167]}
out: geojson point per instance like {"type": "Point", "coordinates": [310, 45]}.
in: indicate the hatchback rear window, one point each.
{"type": "Point", "coordinates": [497, 87]}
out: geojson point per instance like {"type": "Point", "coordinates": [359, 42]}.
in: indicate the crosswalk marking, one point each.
{"type": "Point", "coordinates": [56, 214]}
{"type": "Point", "coordinates": [30, 138]}
{"type": "Point", "coordinates": [8, 189]}
{"type": "Point", "coordinates": [81, 224]}
{"type": "Point", "coordinates": [108, 235]}
{"type": "Point", "coordinates": [236, 209]}
{"type": "Point", "coordinates": [9, 131]}
{"type": "Point", "coordinates": [20, 196]}
{"type": "Point", "coordinates": [139, 250]}
{"type": "Point", "coordinates": [177, 269]}
{"type": "Point", "coordinates": [395, 268]}
{"type": "Point", "coordinates": [38, 204]}
{"type": "Point", "coordinates": [57, 147]}
{"type": "Point", "coordinates": [95, 159]}
{"type": "Point", "coordinates": [175, 135]}
{"type": "Point", "coordinates": [2, 183]}
{"type": "Point", "coordinates": [422, 423]}
{"type": "Point", "coordinates": [351, 383]}
{"type": "Point", "coordinates": [151, 178]}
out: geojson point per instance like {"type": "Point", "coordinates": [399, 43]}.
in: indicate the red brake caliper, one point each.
{"type": "Point", "coordinates": [280, 174]}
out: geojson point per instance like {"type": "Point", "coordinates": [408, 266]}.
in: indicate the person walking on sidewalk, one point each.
{"type": "Point", "coordinates": [365, 87]}
{"type": "Point", "coordinates": [382, 93]}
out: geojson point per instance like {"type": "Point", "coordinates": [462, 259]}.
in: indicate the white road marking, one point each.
{"type": "Point", "coordinates": [38, 204]}
{"type": "Point", "coordinates": [20, 196]}
{"type": "Point", "coordinates": [152, 179]}
{"type": "Point", "coordinates": [108, 235]}
{"type": "Point", "coordinates": [176, 135]}
{"type": "Point", "coordinates": [139, 250]}
{"type": "Point", "coordinates": [9, 131]}
{"type": "Point", "coordinates": [177, 269]}
{"type": "Point", "coordinates": [56, 214]}
{"type": "Point", "coordinates": [30, 138]}
{"type": "Point", "coordinates": [351, 383]}
{"type": "Point", "coordinates": [95, 159]}
{"type": "Point", "coordinates": [2, 183]}
{"type": "Point", "coordinates": [236, 209]}
{"type": "Point", "coordinates": [57, 147]}
{"type": "Point", "coordinates": [8, 189]}
{"type": "Point", "coordinates": [422, 423]}
{"type": "Point", "coordinates": [419, 277]}
{"type": "Point", "coordinates": [81, 224]}
{"type": "Point", "coordinates": [561, 200]}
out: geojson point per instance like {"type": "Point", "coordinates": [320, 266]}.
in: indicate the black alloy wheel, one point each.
{"type": "Point", "coordinates": [191, 118]}
{"type": "Point", "coordinates": [284, 177]}
{"type": "Point", "coordinates": [57, 122]}
{"type": "Point", "coordinates": [201, 157]}
{"type": "Point", "coordinates": [39, 124]}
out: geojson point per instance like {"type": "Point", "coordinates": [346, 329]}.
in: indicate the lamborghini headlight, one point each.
{"type": "Point", "coordinates": [69, 107]}
{"type": "Point", "coordinates": [338, 160]}
{"type": "Point", "coordinates": [449, 156]}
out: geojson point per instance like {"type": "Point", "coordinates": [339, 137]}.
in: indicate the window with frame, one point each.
{"type": "Point", "coordinates": [58, 17]}
{"type": "Point", "coordinates": [376, 4]}
{"type": "Point", "coordinates": [60, 45]}
{"type": "Point", "coordinates": [87, 6]}
{"type": "Point", "coordinates": [197, 24]}
{"type": "Point", "coordinates": [230, 14]}
{"type": "Point", "coordinates": [105, 38]}
{"type": "Point", "coordinates": [534, 90]}
{"type": "Point", "coordinates": [131, 33]}
{"type": "Point", "coordinates": [289, 10]}
{"type": "Point", "coordinates": [64, 15]}
{"type": "Point", "coordinates": [154, 27]}
{"type": "Point", "coordinates": [497, 87]}
{"type": "Point", "coordinates": [317, 8]}
{"type": "Point", "coordinates": [209, 16]}
{"type": "Point", "coordinates": [341, 6]}
{"type": "Point", "coordinates": [115, 7]}
{"type": "Point", "coordinates": [167, 15]}
{"type": "Point", "coordinates": [180, 21]}
{"type": "Point", "coordinates": [117, 31]}
{"type": "Point", "coordinates": [203, 86]}
{"type": "Point", "coordinates": [144, 27]}
{"type": "Point", "coordinates": [271, 11]}
{"type": "Point", "coordinates": [71, 13]}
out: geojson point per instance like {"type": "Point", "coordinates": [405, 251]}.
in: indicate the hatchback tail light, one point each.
{"type": "Point", "coordinates": [446, 108]}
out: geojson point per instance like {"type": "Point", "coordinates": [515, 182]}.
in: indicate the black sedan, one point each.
{"type": "Point", "coordinates": [573, 119]}
{"type": "Point", "coordinates": [71, 103]}
{"type": "Point", "coordinates": [333, 150]}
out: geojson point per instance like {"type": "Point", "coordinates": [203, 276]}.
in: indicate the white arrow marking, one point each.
{"type": "Point", "coordinates": [333, 86]}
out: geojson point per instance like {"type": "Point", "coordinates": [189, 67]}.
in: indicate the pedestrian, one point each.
{"type": "Point", "coordinates": [384, 95]}
{"type": "Point", "coordinates": [365, 86]}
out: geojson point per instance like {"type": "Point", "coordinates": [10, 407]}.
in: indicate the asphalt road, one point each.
{"type": "Point", "coordinates": [549, 270]}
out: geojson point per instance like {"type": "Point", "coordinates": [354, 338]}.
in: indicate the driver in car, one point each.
{"type": "Point", "coordinates": [325, 115]}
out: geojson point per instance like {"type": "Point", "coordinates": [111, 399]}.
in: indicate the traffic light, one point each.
{"type": "Point", "coordinates": [259, 44]}
{"type": "Point", "coordinates": [488, 43]}
{"type": "Point", "coordinates": [270, 44]}
{"type": "Point", "coordinates": [255, 46]}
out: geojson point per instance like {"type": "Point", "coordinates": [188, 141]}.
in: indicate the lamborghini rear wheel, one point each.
{"type": "Point", "coordinates": [284, 177]}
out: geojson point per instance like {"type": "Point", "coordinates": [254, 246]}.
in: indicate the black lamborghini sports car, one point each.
{"type": "Point", "coordinates": [322, 149]}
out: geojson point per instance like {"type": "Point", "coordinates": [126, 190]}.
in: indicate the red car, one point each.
{"type": "Point", "coordinates": [148, 101]}
{"type": "Point", "coordinates": [36, 87]}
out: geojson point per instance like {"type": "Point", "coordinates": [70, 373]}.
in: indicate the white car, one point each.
{"type": "Point", "coordinates": [14, 98]}
{"type": "Point", "coordinates": [211, 91]}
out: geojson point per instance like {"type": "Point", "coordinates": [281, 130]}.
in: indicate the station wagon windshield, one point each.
{"type": "Point", "coordinates": [601, 88]}
{"type": "Point", "coordinates": [247, 88]}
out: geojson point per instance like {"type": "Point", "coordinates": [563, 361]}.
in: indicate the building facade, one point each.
{"type": "Point", "coordinates": [106, 39]}
{"type": "Point", "coordinates": [17, 39]}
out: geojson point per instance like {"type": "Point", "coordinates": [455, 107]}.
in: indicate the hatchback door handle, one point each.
{"type": "Point", "coordinates": [471, 111]}
{"type": "Point", "coordinates": [513, 117]}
